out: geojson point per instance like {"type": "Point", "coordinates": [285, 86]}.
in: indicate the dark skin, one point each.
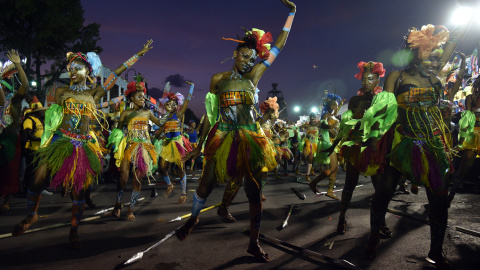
{"type": "Point", "coordinates": [78, 72]}
{"type": "Point", "coordinates": [171, 107]}
{"type": "Point", "coordinates": [138, 100]}
{"type": "Point", "coordinates": [420, 73]}
{"type": "Point", "coordinates": [243, 66]}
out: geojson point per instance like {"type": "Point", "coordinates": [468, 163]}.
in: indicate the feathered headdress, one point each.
{"type": "Point", "coordinates": [91, 59]}
{"type": "Point", "coordinates": [425, 41]}
{"type": "Point", "coordinates": [259, 38]}
{"type": "Point", "coordinates": [167, 96]}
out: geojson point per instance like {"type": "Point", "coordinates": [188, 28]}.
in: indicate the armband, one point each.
{"type": "Point", "coordinates": [110, 82]}
{"type": "Point", "coordinates": [190, 92]}
{"type": "Point", "coordinates": [131, 61]}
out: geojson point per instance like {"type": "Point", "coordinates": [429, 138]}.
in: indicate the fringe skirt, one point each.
{"type": "Point", "coordinates": [143, 157]}
{"type": "Point", "coordinates": [309, 147]}
{"type": "Point", "coordinates": [238, 151]}
{"type": "Point", "coordinates": [74, 161]}
{"type": "Point", "coordinates": [174, 149]}
{"type": "Point", "coordinates": [420, 161]}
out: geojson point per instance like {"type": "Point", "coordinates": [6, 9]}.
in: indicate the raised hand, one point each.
{"type": "Point", "coordinates": [13, 56]}
{"type": "Point", "coordinates": [290, 5]}
{"type": "Point", "coordinates": [146, 48]}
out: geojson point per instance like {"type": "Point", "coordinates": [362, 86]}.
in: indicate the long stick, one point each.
{"type": "Point", "coordinates": [338, 262]}
{"type": "Point", "coordinates": [111, 208]}
{"type": "Point", "coordinates": [467, 231]}
{"type": "Point", "coordinates": [285, 222]}
{"type": "Point", "coordinates": [299, 195]}
{"type": "Point", "coordinates": [138, 256]}
{"type": "Point", "coordinates": [188, 215]}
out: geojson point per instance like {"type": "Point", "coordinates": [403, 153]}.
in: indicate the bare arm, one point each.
{"type": "Point", "coordinates": [13, 56]}
{"type": "Point", "coordinates": [154, 119]}
{"type": "Point", "coordinates": [121, 122]}
{"type": "Point", "coordinates": [187, 100]}
{"type": "Point", "coordinates": [390, 81]}
{"type": "Point", "coordinates": [260, 68]}
{"type": "Point", "coordinates": [2, 97]}
{"type": "Point", "coordinates": [110, 82]}
{"type": "Point", "coordinates": [455, 36]}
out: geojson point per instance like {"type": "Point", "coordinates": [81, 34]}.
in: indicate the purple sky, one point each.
{"type": "Point", "coordinates": [332, 34]}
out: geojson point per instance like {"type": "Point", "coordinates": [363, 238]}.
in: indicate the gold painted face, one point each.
{"type": "Point", "coordinates": [77, 71]}
{"type": "Point", "coordinates": [171, 106]}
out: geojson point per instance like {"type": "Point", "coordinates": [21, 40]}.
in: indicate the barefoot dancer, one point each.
{"type": "Point", "coordinates": [175, 145]}
{"type": "Point", "coordinates": [136, 149]}
{"type": "Point", "coordinates": [235, 147]}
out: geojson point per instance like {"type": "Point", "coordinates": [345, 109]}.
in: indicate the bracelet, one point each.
{"type": "Point", "coordinates": [288, 23]}
{"type": "Point", "coordinates": [131, 61]}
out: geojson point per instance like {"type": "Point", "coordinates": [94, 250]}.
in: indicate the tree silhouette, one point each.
{"type": "Point", "coordinates": [45, 30]}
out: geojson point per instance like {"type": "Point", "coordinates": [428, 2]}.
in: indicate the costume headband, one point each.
{"type": "Point", "coordinates": [91, 59]}
{"type": "Point", "coordinates": [425, 41]}
{"type": "Point", "coordinates": [262, 41]}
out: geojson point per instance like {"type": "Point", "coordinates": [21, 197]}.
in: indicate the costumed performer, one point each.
{"type": "Point", "coordinates": [10, 112]}
{"type": "Point", "coordinates": [136, 148]}
{"type": "Point", "coordinates": [235, 147]}
{"type": "Point", "coordinates": [174, 146]}
{"type": "Point", "coordinates": [69, 151]}
{"type": "Point", "coordinates": [419, 149]}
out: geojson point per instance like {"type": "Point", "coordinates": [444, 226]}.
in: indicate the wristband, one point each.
{"type": "Point", "coordinates": [190, 92]}
{"type": "Point", "coordinates": [110, 82]}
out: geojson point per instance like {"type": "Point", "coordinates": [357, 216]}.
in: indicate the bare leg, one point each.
{"type": "Point", "coordinates": [33, 199]}
{"type": "Point", "coordinates": [121, 183]}
{"type": "Point", "coordinates": [207, 182]}
{"type": "Point", "coordinates": [137, 187]}
{"type": "Point", "coordinates": [78, 205]}
{"type": "Point", "coordinates": [252, 189]}
{"type": "Point", "coordinates": [229, 194]}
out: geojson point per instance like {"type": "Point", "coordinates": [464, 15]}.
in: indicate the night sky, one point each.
{"type": "Point", "coordinates": [334, 35]}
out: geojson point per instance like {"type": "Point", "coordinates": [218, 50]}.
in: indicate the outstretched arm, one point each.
{"type": "Point", "coordinates": [187, 100]}
{"type": "Point", "coordinates": [13, 56]}
{"type": "Point", "coordinates": [110, 81]}
{"type": "Point", "coordinates": [260, 68]}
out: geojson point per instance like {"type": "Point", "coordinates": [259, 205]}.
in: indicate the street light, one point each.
{"type": "Point", "coordinates": [296, 109]}
{"type": "Point", "coordinates": [126, 73]}
{"type": "Point", "coordinates": [314, 110]}
{"type": "Point", "coordinates": [34, 83]}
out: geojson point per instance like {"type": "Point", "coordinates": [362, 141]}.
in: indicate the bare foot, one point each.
{"type": "Point", "coordinates": [24, 224]}
{"type": "Point", "coordinates": [223, 212]}
{"type": "Point", "coordinates": [186, 229]}
{"type": "Point", "coordinates": [130, 215]}
{"type": "Point", "coordinates": [255, 249]}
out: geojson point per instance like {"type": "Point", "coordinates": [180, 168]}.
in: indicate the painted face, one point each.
{"type": "Point", "coordinates": [245, 59]}
{"type": "Point", "coordinates": [171, 106]}
{"type": "Point", "coordinates": [77, 71]}
{"type": "Point", "coordinates": [430, 65]}
{"type": "Point", "coordinates": [370, 81]}
{"type": "Point", "coordinates": [312, 118]}
{"type": "Point", "coordinates": [138, 99]}
{"type": "Point", "coordinates": [193, 125]}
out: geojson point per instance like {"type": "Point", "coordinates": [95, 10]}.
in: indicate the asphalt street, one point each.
{"type": "Point", "coordinates": [109, 242]}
